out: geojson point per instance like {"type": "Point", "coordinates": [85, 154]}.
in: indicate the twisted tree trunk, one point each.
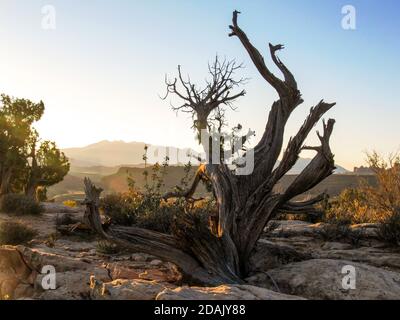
{"type": "Point", "coordinates": [217, 250]}
{"type": "Point", "coordinates": [31, 184]}
{"type": "Point", "coordinates": [164, 246]}
{"type": "Point", "coordinates": [6, 181]}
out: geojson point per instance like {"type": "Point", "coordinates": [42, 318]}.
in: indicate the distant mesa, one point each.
{"type": "Point", "coordinates": [363, 171]}
{"type": "Point", "coordinates": [108, 164]}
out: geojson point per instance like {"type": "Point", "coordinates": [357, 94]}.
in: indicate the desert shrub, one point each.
{"type": "Point", "coordinates": [121, 208]}
{"type": "Point", "coordinates": [14, 233]}
{"type": "Point", "coordinates": [389, 230]}
{"type": "Point", "coordinates": [107, 247]}
{"type": "Point", "coordinates": [368, 203]}
{"type": "Point", "coordinates": [147, 211]}
{"type": "Point", "coordinates": [335, 231]}
{"type": "Point", "coordinates": [386, 194]}
{"type": "Point", "coordinates": [162, 217]}
{"type": "Point", "coordinates": [70, 203]}
{"type": "Point", "coordinates": [147, 208]}
{"type": "Point", "coordinates": [20, 204]}
{"type": "Point", "coordinates": [150, 211]}
{"type": "Point", "coordinates": [341, 231]}
{"type": "Point", "coordinates": [158, 218]}
{"type": "Point", "coordinates": [350, 206]}
{"type": "Point", "coordinates": [378, 203]}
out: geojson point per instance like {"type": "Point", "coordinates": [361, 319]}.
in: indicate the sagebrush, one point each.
{"type": "Point", "coordinates": [147, 208]}
{"type": "Point", "coordinates": [20, 204]}
{"type": "Point", "coordinates": [15, 233]}
{"type": "Point", "coordinates": [370, 203]}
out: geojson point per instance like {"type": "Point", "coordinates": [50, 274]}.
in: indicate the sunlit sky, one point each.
{"type": "Point", "coordinates": [101, 71]}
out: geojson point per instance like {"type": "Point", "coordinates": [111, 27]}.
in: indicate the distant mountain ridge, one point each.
{"type": "Point", "coordinates": [130, 154]}
{"type": "Point", "coordinates": [120, 153]}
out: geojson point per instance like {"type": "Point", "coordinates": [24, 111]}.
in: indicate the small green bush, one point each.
{"type": "Point", "coordinates": [147, 208]}
{"type": "Point", "coordinates": [121, 208]}
{"type": "Point", "coordinates": [335, 231]}
{"type": "Point", "coordinates": [351, 205]}
{"type": "Point", "coordinates": [341, 230]}
{"type": "Point", "coordinates": [19, 204]}
{"type": "Point", "coordinates": [107, 247]}
{"type": "Point", "coordinates": [157, 219]}
{"type": "Point", "coordinates": [150, 211]}
{"type": "Point", "coordinates": [371, 203]}
{"type": "Point", "coordinates": [355, 236]}
{"type": "Point", "coordinates": [14, 233]}
{"type": "Point", "coordinates": [389, 230]}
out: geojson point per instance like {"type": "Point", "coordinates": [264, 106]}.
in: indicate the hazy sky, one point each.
{"type": "Point", "coordinates": [100, 72]}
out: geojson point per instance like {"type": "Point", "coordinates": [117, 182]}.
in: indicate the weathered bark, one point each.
{"type": "Point", "coordinates": [304, 207]}
{"type": "Point", "coordinates": [6, 181]}
{"type": "Point", "coordinates": [32, 183]}
{"type": "Point", "coordinates": [164, 246]}
{"type": "Point", "coordinates": [221, 251]}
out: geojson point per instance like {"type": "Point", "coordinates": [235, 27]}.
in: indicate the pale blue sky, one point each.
{"type": "Point", "coordinates": [101, 71]}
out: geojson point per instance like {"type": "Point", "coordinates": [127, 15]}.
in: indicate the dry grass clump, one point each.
{"type": "Point", "coordinates": [19, 204]}
{"type": "Point", "coordinates": [367, 203]}
{"type": "Point", "coordinates": [15, 233]}
{"type": "Point", "coordinates": [378, 203]}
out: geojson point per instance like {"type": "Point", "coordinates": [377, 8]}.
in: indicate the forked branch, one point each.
{"type": "Point", "coordinates": [320, 167]}
{"type": "Point", "coordinates": [295, 145]}
{"type": "Point", "coordinates": [289, 78]}
{"type": "Point", "coordinates": [188, 194]}
{"type": "Point", "coordinates": [258, 59]}
{"type": "Point", "coordinates": [304, 207]}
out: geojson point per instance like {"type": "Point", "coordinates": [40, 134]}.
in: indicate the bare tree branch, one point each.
{"type": "Point", "coordinates": [295, 145]}
{"type": "Point", "coordinates": [309, 202]}
{"type": "Point", "coordinates": [188, 194]}
{"type": "Point", "coordinates": [256, 57]}
{"type": "Point", "coordinates": [304, 207]}
{"type": "Point", "coordinates": [289, 78]}
{"type": "Point", "coordinates": [318, 169]}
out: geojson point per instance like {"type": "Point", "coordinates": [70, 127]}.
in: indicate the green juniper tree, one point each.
{"type": "Point", "coordinates": [26, 164]}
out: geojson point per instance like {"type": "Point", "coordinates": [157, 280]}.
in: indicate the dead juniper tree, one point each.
{"type": "Point", "coordinates": [217, 250]}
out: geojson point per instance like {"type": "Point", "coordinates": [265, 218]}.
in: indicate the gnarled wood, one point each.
{"type": "Point", "coordinates": [221, 250]}
{"type": "Point", "coordinates": [141, 240]}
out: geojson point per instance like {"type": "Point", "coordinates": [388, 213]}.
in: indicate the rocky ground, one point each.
{"type": "Point", "coordinates": [293, 261]}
